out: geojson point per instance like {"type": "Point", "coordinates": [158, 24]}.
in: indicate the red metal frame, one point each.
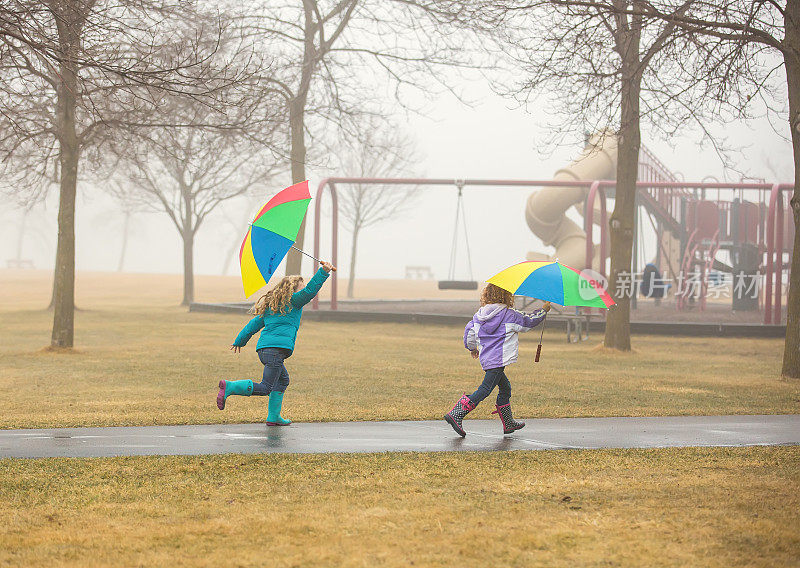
{"type": "Point", "coordinates": [588, 226]}
{"type": "Point", "coordinates": [772, 299]}
{"type": "Point", "coordinates": [701, 252]}
{"type": "Point", "coordinates": [334, 236]}
{"type": "Point", "coordinates": [666, 194]}
{"type": "Point", "coordinates": [331, 182]}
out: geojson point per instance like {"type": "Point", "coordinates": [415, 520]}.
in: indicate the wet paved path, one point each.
{"type": "Point", "coordinates": [422, 436]}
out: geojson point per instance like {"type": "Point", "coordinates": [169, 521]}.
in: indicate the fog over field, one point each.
{"type": "Point", "coordinates": [490, 139]}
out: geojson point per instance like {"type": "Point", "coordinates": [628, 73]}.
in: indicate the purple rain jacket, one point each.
{"type": "Point", "coordinates": [494, 332]}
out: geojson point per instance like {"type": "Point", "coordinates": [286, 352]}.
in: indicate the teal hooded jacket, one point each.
{"type": "Point", "coordinates": [280, 330]}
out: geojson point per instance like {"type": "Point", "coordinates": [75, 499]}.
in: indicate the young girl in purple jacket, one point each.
{"type": "Point", "coordinates": [493, 337]}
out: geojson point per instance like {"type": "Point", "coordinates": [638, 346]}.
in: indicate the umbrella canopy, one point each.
{"type": "Point", "coordinates": [554, 282]}
{"type": "Point", "coordinates": [271, 234]}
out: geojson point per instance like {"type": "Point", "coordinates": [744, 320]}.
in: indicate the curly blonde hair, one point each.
{"type": "Point", "coordinates": [492, 294]}
{"type": "Point", "coordinates": [277, 299]}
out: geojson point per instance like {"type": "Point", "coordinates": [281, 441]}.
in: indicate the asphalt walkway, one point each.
{"type": "Point", "coordinates": [403, 436]}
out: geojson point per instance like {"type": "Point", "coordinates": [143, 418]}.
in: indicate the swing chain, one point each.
{"type": "Point", "coordinates": [460, 211]}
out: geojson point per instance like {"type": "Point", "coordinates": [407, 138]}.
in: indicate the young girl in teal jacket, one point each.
{"type": "Point", "coordinates": [278, 312]}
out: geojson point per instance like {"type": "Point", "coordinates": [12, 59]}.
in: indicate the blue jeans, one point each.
{"type": "Point", "coordinates": [276, 377]}
{"type": "Point", "coordinates": [494, 378]}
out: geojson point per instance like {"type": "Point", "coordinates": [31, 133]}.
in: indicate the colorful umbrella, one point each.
{"type": "Point", "coordinates": [271, 234]}
{"type": "Point", "coordinates": [553, 282]}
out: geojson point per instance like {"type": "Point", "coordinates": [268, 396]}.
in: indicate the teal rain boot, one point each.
{"type": "Point", "coordinates": [274, 417]}
{"type": "Point", "coordinates": [227, 388]}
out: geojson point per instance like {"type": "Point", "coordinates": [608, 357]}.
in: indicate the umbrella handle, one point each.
{"type": "Point", "coordinates": [539, 348]}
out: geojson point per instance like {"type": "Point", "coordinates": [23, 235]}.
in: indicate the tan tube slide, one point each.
{"type": "Point", "coordinates": [546, 209]}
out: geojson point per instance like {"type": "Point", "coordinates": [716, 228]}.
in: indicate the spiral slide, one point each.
{"type": "Point", "coordinates": [546, 209]}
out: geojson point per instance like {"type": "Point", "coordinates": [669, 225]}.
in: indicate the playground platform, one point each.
{"type": "Point", "coordinates": [403, 436]}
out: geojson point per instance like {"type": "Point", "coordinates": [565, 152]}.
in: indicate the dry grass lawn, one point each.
{"type": "Point", "coordinates": [719, 507]}
{"type": "Point", "coordinates": [143, 360]}
{"type": "Point", "coordinates": [146, 361]}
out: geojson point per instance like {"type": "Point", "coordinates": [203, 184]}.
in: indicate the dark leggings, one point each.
{"type": "Point", "coordinates": [494, 378]}
{"type": "Point", "coordinates": [276, 377]}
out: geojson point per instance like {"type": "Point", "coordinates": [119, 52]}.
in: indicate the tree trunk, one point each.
{"type": "Point", "coordinates": [64, 278]}
{"type": "Point", "coordinates": [313, 53]}
{"type": "Point", "coordinates": [20, 240]}
{"type": "Point", "coordinates": [52, 305]}
{"type": "Point", "coordinates": [125, 226]}
{"type": "Point", "coordinates": [69, 22]}
{"type": "Point", "coordinates": [353, 248]}
{"type": "Point", "coordinates": [791, 351]}
{"type": "Point", "coordinates": [618, 322]}
{"type": "Point", "coordinates": [297, 154]}
{"type": "Point", "coordinates": [188, 267]}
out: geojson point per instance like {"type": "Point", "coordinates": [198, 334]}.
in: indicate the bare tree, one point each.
{"type": "Point", "coordinates": [129, 206]}
{"type": "Point", "coordinates": [380, 151]}
{"type": "Point", "coordinates": [70, 73]}
{"type": "Point", "coordinates": [334, 56]}
{"type": "Point", "coordinates": [604, 66]}
{"type": "Point", "coordinates": [127, 213]}
{"type": "Point", "coordinates": [30, 227]}
{"type": "Point", "coordinates": [749, 32]}
{"type": "Point", "coordinates": [188, 172]}
{"type": "Point", "coordinates": [308, 33]}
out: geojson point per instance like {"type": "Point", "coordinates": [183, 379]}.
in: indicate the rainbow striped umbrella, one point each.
{"type": "Point", "coordinates": [554, 282]}
{"type": "Point", "coordinates": [271, 234]}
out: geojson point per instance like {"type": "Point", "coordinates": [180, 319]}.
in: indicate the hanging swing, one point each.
{"type": "Point", "coordinates": [451, 283]}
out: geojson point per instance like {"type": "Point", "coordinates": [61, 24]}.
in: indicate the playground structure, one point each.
{"type": "Point", "coordinates": [546, 209]}
{"type": "Point", "coordinates": [702, 230]}
{"type": "Point", "coordinates": [690, 229]}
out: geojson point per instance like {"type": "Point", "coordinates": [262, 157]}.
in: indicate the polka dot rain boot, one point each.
{"type": "Point", "coordinates": [463, 407]}
{"type": "Point", "coordinates": [509, 424]}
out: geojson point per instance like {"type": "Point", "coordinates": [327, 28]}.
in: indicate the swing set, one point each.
{"type": "Point", "coordinates": [451, 283]}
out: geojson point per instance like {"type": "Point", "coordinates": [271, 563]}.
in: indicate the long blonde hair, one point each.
{"type": "Point", "coordinates": [278, 298]}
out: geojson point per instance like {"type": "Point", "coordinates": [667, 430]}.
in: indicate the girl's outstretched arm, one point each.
{"type": "Point", "coordinates": [247, 332]}
{"type": "Point", "coordinates": [304, 296]}
{"type": "Point", "coordinates": [528, 321]}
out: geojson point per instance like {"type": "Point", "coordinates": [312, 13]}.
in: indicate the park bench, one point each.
{"type": "Point", "coordinates": [419, 273]}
